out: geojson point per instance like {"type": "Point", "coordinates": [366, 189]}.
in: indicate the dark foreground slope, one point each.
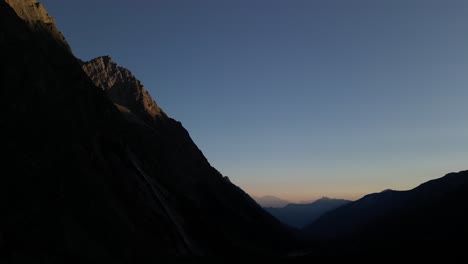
{"type": "Point", "coordinates": [300, 215]}
{"type": "Point", "coordinates": [432, 217]}
{"type": "Point", "coordinates": [201, 195]}
{"type": "Point", "coordinates": [81, 179]}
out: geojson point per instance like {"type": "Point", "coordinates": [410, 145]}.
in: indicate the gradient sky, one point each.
{"type": "Point", "coordinates": [297, 98]}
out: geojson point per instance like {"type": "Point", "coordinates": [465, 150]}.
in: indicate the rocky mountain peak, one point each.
{"type": "Point", "coordinates": [123, 88]}
{"type": "Point", "coordinates": [31, 11]}
{"type": "Point", "coordinates": [36, 16]}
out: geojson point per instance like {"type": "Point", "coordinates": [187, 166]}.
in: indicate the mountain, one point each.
{"type": "Point", "coordinates": [271, 201]}
{"type": "Point", "coordinates": [432, 216]}
{"type": "Point", "coordinates": [300, 215]}
{"type": "Point", "coordinates": [94, 170]}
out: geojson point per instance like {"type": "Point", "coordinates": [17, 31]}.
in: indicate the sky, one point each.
{"type": "Point", "coordinates": [297, 98]}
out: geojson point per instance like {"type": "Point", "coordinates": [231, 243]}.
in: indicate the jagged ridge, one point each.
{"type": "Point", "coordinates": [122, 87]}
{"type": "Point", "coordinates": [36, 16]}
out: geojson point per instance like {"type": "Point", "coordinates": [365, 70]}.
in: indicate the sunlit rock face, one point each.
{"type": "Point", "coordinates": [35, 15]}
{"type": "Point", "coordinates": [122, 87]}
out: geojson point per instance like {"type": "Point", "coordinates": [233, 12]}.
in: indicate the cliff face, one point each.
{"type": "Point", "coordinates": [83, 181]}
{"type": "Point", "coordinates": [31, 11]}
{"type": "Point", "coordinates": [37, 18]}
{"type": "Point", "coordinates": [122, 87]}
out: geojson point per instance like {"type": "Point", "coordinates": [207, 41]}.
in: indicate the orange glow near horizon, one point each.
{"type": "Point", "coordinates": [352, 187]}
{"type": "Point", "coordinates": [308, 197]}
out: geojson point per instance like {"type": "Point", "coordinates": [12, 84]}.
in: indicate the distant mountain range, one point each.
{"type": "Point", "coordinates": [270, 201]}
{"type": "Point", "coordinates": [432, 216]}
{"type": "Point", "coordinates": [299, 215]}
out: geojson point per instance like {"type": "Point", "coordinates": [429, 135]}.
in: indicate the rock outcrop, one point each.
{"type": "Point", "coordinates": [123, 88]}
{"type": "Point", "coordinates": [36, 16]}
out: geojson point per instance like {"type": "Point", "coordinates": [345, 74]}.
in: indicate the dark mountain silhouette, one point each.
{"type": "Point", "coordinates": [105, 175]}
{"type": "Point", "coordinates": [432, 216]}
{"type": "Point", "coordinates": [300, 215]}
{"type": "Point", "coordinates": [270, 201]}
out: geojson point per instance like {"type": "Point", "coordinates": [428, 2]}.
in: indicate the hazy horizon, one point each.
{"type": "Point", "coordinates": [297, 99]}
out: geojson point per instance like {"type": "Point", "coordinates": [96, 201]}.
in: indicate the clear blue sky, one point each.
{"type": "Point", "coordinates": [297, 98]}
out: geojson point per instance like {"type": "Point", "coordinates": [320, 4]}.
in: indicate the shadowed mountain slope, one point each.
{"type": "Point", "coordinates": [166, 149]}
{"type": "Point", "coordinates": [432, 216]}
{"type": "Point", "coordinates": [90, 182]}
